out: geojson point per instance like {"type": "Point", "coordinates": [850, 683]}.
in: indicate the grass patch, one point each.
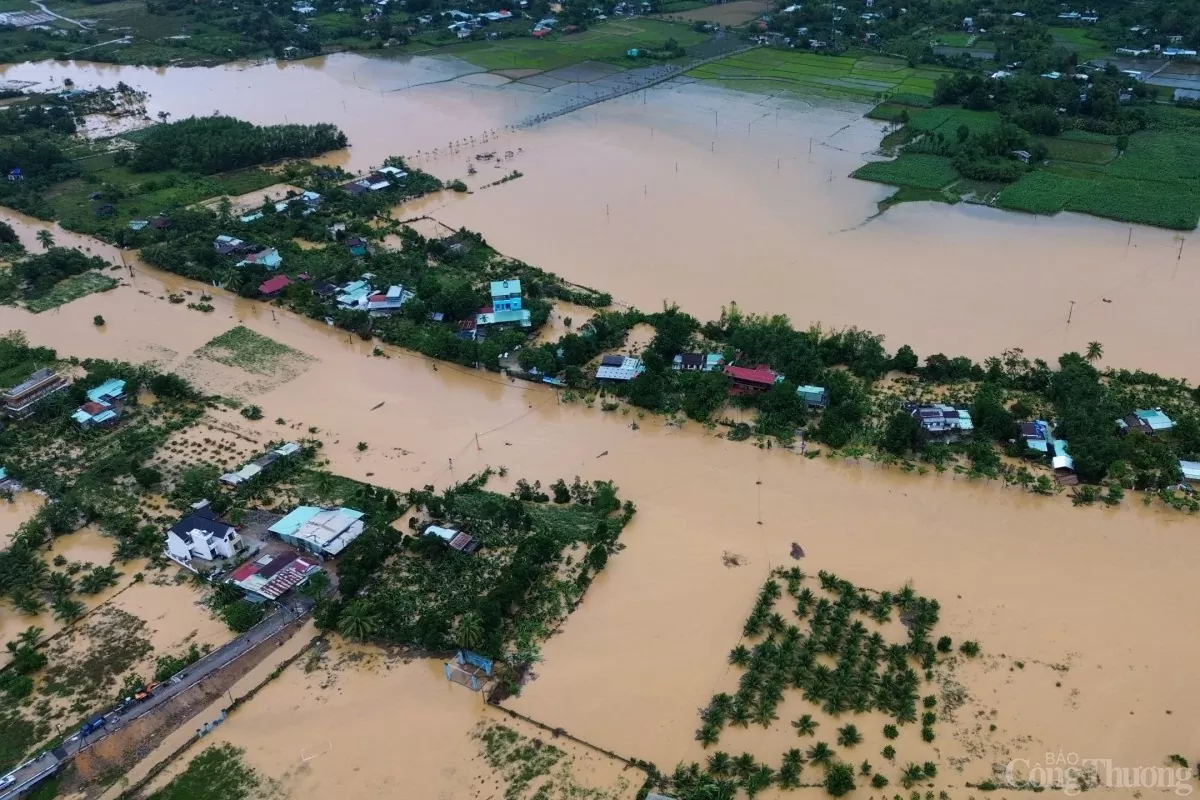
{"type": "Point", "coordinates": [243, 348]}
{"type": "Point", "coordinates": [912, 170]}
{"type": "Point", "coordinates": [947, 119]}
{"type": "Point", "coordinates": [606, 41]}
{"type": "Point", "coordinates": [1140, 201]}
{"type": "Point", "coordinates": [70, 289]}
{"type": "Point", "coordinates": [216, 774]}
{"type": "Point", "coordinates": [1076, 151]}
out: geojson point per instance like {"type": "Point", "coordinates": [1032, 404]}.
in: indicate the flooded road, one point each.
{"type": "Point", "coordinates": [1082, 596]}
{"type": "Point", "coordinates": [704, 196]}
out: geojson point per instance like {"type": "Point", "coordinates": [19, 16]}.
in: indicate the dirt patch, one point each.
{"type": "Point", "coordinates": [736, 13]}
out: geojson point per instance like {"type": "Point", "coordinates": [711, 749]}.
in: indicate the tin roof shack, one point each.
{"type": "Point", "coordinates": [747, 380]}
{"type": "Point", "coordinates": [201, 534]}
{"type": "Point", "coordinates": [259, 464]}
{"type": "Point", "coordinates": [273, 575]}
{"type": "Point", "coordinates": [322, 531]}
{"type": "Point", "coordinates": [454, 539]}
{"type": "Point", "coordinates": [813, 396]}
{"type": "Point", "coordinates": [103, 406]}
{"type": "Point", "coordinates": [1151, 422]}
{"type": "Point", "coordinates": [619, 369]}
{"type": "Point", "coordinates": [21, 400]}
{"type": "Point", "coordinates": [942, 423]}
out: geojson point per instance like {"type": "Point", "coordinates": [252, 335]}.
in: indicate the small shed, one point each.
{"type": "Point", "coordinates": [813, 396]}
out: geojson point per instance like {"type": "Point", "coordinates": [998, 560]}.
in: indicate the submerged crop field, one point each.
{"type": "Point", "coordinates": [872, 76]}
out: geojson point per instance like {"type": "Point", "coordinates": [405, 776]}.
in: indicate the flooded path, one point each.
{"type": "Point", "coordinates": [1031, 578]}
{"type": "Point", "coordinates": [703, 196]}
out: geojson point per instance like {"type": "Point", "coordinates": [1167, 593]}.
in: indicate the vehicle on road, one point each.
{"type": "Point", "coordinates": [7, 780]}
{"type": "Point", "coordinates": [92, 725]}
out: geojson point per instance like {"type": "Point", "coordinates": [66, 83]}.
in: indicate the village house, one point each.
{"type": "Point", "coordinates": [507, 306]}
{"type": "Point", "coordinates": [756, 379]}
{"type": "Point", "coordinates": [21, 400]}
{"type": "Point", "coordinates": [273, 287]}
{"type": "Point", "coordinates": [454, 539]}
{"type": "Point", "coordinates": [357, 246]}
{"type": "Point", "coordinates": [688, 362]}
{"type": "Point", "coordinates": [322, 531]}
{"type": "Point", "coordinates": [377, 181]}
{"type": "Point", "coordinates": [259, 464]}
{"type": "Point", "coordinates": [268, 258]}
{"type": "Point", "coordinates": [201, 534]}
{"type": "Point", "coordinates": [1039, 436]}
{"type": "Point", "coordinates": [272, 575]}
{"type": "Point", "coordinates": [102, 406]}
{"type": "Point", "coordinates": [388, 303]}
{"type": "Point", "coordinates": [1149, 421]}
{"type": "Point", "coordinates": [619, 368]}
{"type": "Point", "coordinates": [1190, 471]}
{"type": "Point", "coordinates": [354, 295]}
{"type": "Point", "coordinates": [228, 245]}
{"type": "Point", "coordinates": [813, 396]}
{"type": "Point", "coordinates": [940, 422]}
{"type": "Point", "coordinates": [714, 361]}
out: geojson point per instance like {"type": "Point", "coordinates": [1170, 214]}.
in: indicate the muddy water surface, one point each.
{"type": "Point", "coordinates": [1031, 578]}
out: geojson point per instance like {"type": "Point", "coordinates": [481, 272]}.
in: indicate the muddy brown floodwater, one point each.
{"type": "Point", "coordinates": [1095, 603]}
{"type": "Point", "coordinates": [703, 196]}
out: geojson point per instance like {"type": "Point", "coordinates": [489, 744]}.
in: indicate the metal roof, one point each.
{"type": "Point", "coordinates": [1190, 470]}
{"type": "Point", "coordinates": [506, 288]}
{"type": "Point", "coordinates": [629, 369]}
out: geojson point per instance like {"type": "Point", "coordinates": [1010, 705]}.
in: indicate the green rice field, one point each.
{"type": "Point", "coordinates": [912, 170]}
{"type": "Point", "coordinates": [866, 77]}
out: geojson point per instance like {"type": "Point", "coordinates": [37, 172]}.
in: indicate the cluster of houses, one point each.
{"type": "Point", "coordinates": [377, 181]}
{"type": "Point", "coordinates": [308, 200]}
{"type": "Point", "coordinates": [360, 295]}
{"type": "Point", "coordinates": [252, 469]}
{"type": "Point", "coordinates": [506, 308]}
{"type": "Point", "coordinates": [259, 254]}
{"type": "Point", "coordinates": [103, 406]}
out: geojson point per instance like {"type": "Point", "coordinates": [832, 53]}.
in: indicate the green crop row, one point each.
{"type": "Point", "coordinates": [913, 170]}
{"type": "Point", "coordinates": [1162, 205]}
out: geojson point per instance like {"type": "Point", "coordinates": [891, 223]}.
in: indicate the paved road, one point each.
{"type": "Point", "coordinates": [45, 764]}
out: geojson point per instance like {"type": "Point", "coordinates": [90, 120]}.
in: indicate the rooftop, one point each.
{"type": "Point", "coordinates": [113, 387]}
{"type": "Point", "coordinates": [506, 288]}
{"type": "Point", "coordinates": [273, 575]}
{"type": "Point", "coordinates": [619, 368]}
{"type": "Point", "coordinates": [762, 374]}
{"type": "Point", "coordinates": [322, 527]}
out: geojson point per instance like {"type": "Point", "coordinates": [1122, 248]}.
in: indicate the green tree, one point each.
{"type": "Point", "coordinates": [1095, 352]}
{"type": "Point", "coordinates": [469, 633]}
{"type": "Point", "coordinates": [902, 434]}
{"type": "Point", "coordinates": [839, 779]}
{"type": "Point", "coordinates": [45, 238]}
{"type": "Point", "coordinates": [357, 621]}
{"type": "Point", "coordinates": [820, 753]}
{"type": "Point", "coordinates": [806, 725]}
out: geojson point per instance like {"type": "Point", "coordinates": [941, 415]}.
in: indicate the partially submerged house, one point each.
{"type": "Point", "coordinates": [357, 246]}
{"type": "Point", "coordinates": [1150, 421]}
{"type": "Point", "coordinates": [103, 406]}
{"type": "Point", "coordinates": [202, 534]}
{"type": "Point", "coordinates": [273, 287]}
{"type": "Point", "coordinates": [752, 379]}
{"type": "Point", "coordinates": [354, 295]}
{"type": "Point", "coordinates": [619, 368]}
{"type": "Point", "coordinates": [813, 396]}
{"type": "Point", "coordinates": [21, 400]}
{"type": "Point", "coordinates": [1039, 436]}
{"type": "Point", "coordinates": [268, 258]}
{"type": "Point", "coordinates": [454, 539]}
{"type": "Point", "coordinates": [271, 576]}
{"type": "Point", "coordinates": [259, 464]}
{"type": "Point", "coordinates": [377, 181]}
{"type": "Point", "coordinates": [322, 531]}
{"type": "Point", "coordinates": [941, 422]}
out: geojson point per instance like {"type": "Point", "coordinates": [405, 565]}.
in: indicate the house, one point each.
{"type": "Point", "coordinates": [619, 368]}
{"type": "Point", "coordinates": [273, 287]}
{"type": "Point", "coordinates": [323, 531]}
{"type": "Point", "coordinates": [1175, 52]}
{"type": "Point", "coordinates": [138, 224]}
{"type": "Point", "coordinates": [324, 289]}
{"type": "Point", "coordinates": [941, 422]}
{"type": "Point", "coordinates": [713, 361]}
{"type": "Point", "coordinates": [454, 539]}
{"type": "Point", "coordinates": [374, 182]}
{"type": "Point", "coordinates": [357, 246]}
{"type": "Point", "coordinates": [757, 379]}
{"type": "Point", "coordinates": [506, 307]}
{"type": "Point", "coordinates": [1038, 436]}
{"type": "Point", "coordinates": [268, 258]}
{"type": "Point", "coordinates": [1190, 470]}
{"type": "Point", "coordinates": [813, 396]}
{"type": "Point", "coordinates": [541, 33]}
{"type": "Point", "coordinates": [273, 575]}
{"type": "Point", "coordinates": [506, 295]}
{"type": "Point", "coordinates": [1022, 155]}
{"type": "Point", "coordinates": [354, 294]}
{"type": "Point", "coordinates": [15, 174]}
{"type": "Point", "coordinates": [497, 16]}
{"type": "Point", "coordinates": [1150, 422]}
{"type": "Point", "coordinates": [21, 400]}
{"type": "Point", "coordinates": [246, 219]}
{"type": "Point", "coordinates": [259, 464]}
{"type": "Point", "coordinates": [688, 362]}
{"type": "Point", "coordinates": [228, 245]}
{"type": "Point", "coordinates": [381, 305]}
{"type": "Point", "coordinates": [102, 406]}
{"type": "Point", "coordinates": [201, 534]}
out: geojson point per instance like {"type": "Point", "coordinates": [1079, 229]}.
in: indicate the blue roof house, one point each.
{"type": "Point", "coordinates": [100, 408]}
{"type": "Point", "coordinates": [813, 396]}
{"type": "Point", "coordinates": [506, 296]}
{"type": "Point", "coordinates": [111, 390]}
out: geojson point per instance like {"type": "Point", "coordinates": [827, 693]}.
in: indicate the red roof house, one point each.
{"type": "Point", "coordinates": [541, 33]}
{"type": "Point", "coordinates": [273, 286]}
{"type": "Point", "coordinates": [758, 379]}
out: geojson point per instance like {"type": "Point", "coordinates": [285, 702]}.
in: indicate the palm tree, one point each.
{"type": "Point", "coordinates": [743, 765]}
{"type": "Point", "coordinates": [45, 238]}
{"type": "Point", "coordinates": [739, 656]}
{"type": "Point", "coordinates": [759, 779]}
{"type": "Point", "coordinates": [67, 610]}
{"type": "Point", "coordinates": [849, 736]}
{"type": "Point", "coordinates": [357, 621]}
{"type": "Point", "coordinates": [30, 636]}
{"type": "Point", "coordinates": [719, 763]}
{"type": "Point", "coordinates": [820, 753]}
{"type": "Point", "coordinates": [1095, 352]}
{"type": "Point", "coordinates": [913, 773]}
{"type": "Point", "coordinates": [806, 725]}
{"type": "Point", "coordinates": [470, 630]}
{"type": "Point", "coordinates": [323, 485]}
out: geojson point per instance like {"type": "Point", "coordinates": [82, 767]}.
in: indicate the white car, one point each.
{"type": "Point", "coordinates": [7, 780]}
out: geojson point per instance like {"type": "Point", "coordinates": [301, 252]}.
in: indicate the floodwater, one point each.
{"type": "Point", "coordinates": [1031, 578]}
{"type": "Point", "coordinates": [1087, 599]}
{"type": "Point", "coordinates": [703, 196]}
{"type": "Point", "coordinates": [16, 512]}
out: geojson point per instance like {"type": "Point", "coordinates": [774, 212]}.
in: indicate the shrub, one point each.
{"type": "Point", "coordinates": [969, 648]}
{"type": "Point", "coordinates": [98, 321]}
{"type": "Point", "coordinates": [252, 412]}
{"type": "Point", "coordinates": [945, 644]}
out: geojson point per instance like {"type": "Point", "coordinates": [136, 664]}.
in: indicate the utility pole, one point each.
{"type": "Point", "coordinates": [1071, 312]}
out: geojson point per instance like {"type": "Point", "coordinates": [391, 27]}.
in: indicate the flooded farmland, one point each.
{"type": "Point", "coordinates": [700, 196]}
